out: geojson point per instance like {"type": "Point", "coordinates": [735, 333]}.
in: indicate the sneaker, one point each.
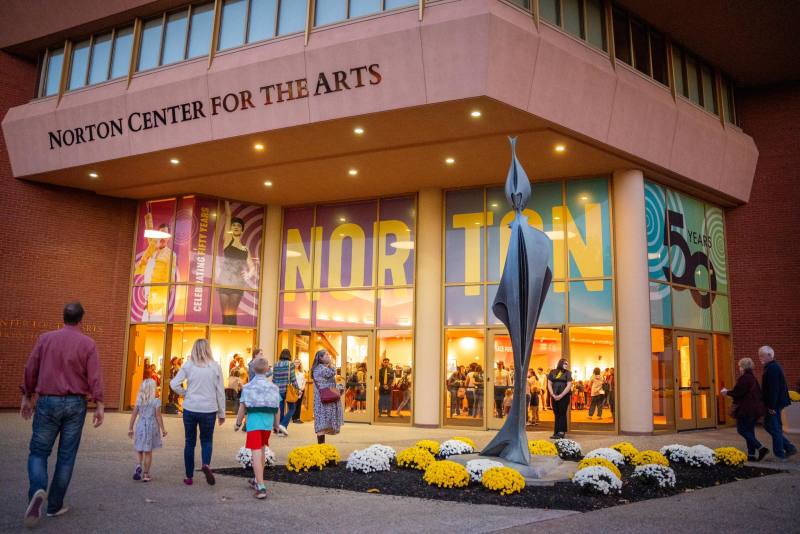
{"type": "Point", "coordinates": [297, 422]}
{"type": "Point", "coordinates": [137, 473]}
{"type": "Point", "coordinates": [261, 492]}
{"type": "Point", "coordinates": [751, 458]}
{"type": "Point", "coordinates": [35, 509]}
{"type": "Point", "coordinates": [763, 451]}
{"type": "Point", "coordinates": [253, 484]}
{"type": "Point", "coordinates": [282, 430]}
{"type": "Point", "coordinates": [188, 481]}
{"type": "Point", "coordinates": [62, 511]}
{"type": "Point", "coordinates": [209, 475]}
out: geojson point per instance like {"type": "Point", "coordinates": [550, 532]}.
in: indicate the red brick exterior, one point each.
{"type": "Point", "coordinates": [58, 245]}
{"type": "Point", "coordinates": [764, 260]}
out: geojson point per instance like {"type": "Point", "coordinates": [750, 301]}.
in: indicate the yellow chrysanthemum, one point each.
{"type": "Point", "coordinates": [415, 458]}
{"type": "Point", "coordinates": [467, 441]}
{"type": "Point", "coordinates": [428, 444]}
{"type": "Point", "coordinates": [540, 447]}
{"type": "Point", "coordinates": [626, 449]}
{"type": "Point", "coordinates": [650, 457]}
{"type": "Point", "coordinates": [503, 479]}
{"type": "Point", "coordinates": [446, 474]}
{"type": "Point", "coordinates": [588, 462]}
{"type": "Point", "coordinates": [305, 458]}
{"type": "Point", "coordinates": [730, 456]}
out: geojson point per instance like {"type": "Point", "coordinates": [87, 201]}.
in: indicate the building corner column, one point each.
{"type": "Point", "coordinates": [270, 282]}
{"type": "Point", "coordinates": [634, 379]}
{"type": "Point", "coordinates": [428, 313]}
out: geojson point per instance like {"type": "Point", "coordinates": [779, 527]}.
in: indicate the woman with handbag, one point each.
{"type": "Point", "coordinates": [748, 406]}
{"type": "Point", "coordinates": [328, 412]}
{"type": "Point", "coordinates": [284, 376]}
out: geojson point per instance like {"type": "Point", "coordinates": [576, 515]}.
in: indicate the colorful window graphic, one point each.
{"type": "Point", "coordinates": [358, 247]}
{"type": "Point", "coordinates": [687, 261]}
{"type": "Point", "coordinates": [575, 215]}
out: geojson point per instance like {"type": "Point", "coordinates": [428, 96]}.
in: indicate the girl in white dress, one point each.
{"type": "Point", "coordinates": [149, 428]}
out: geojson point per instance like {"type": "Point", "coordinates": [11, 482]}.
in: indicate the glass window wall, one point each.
{"type": "Point", "coordinates": [79, 64]}
{"type": "Point", "coordinates": [123, 45]}
{"type": "Point", "coordinates": [52, 79]}
{"type": "Point", "coordinates": [101, 57]}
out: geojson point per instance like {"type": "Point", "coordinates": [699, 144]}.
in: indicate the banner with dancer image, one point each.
{"type": "Point", "coordinates": [154, 261]}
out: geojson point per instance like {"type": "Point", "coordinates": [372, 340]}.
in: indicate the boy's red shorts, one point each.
{"type": "Point", "coordinates": [257, 439]}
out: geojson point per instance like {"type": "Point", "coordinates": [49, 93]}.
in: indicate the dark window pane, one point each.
{"type": "Point", "coordinates": [200, 32]}
{"type": "Point", "coordinates": [54, 64]}
{"type": "Point", "coordinates": [727, 101]}
{"type": "Point", "coordinates": [549, 11]}
{"type": "Point", "coordinates": [231, 30]}
{"type": "Point", "coordinates": [151, 44]}
{"type": "Point", "coordinates": [692, 80]}
{"type": "Point", "coordinates": [395, 4]}
{"type": "Point", "coordinates": [622, 47]}
{"type": "Point", "coordinates": [658, 49]}
{"type": "Point", "coordinates": [80, 62]}
{"type": "Point", "coordinates": [677, 69]}
{"type": "Point", "coordinates": [595, 24]}
{"type": "Point", "coordinates": [123, 44]}
{"type": "Point", "coordinates": [262, 20]}
{"type": "Point", "coordinates": [709, 90]}
{"type": "Point", "coordinates": [175, 38]}
{"type": "Point", "coordinates": [641, 49]}
{"type": "Point", "coordinates": [572, 17]}
{"type": "Point", "coordinates": [329, 11]}
{"type": "Point", "coordinates": [101, 54]}
{"type": "Point", "coordinates": [292, 17]}
{"type": "Point", "coordinates": [360, 8]}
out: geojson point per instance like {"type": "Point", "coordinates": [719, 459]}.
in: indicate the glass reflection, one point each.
{"type": "Point", "coordinates": [394, 363]}
{"type": "Point", "coordinates": [663, 373]}
{"type": "Point", "coordinates": [593, 375]}
{"type": "Point", "coordinates": [464, 350]}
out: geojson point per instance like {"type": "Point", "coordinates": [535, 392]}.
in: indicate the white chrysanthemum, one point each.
{"type": "Point", "coordinates": [269, 458]}
{"type": "Point", "coordinates": [598, 479]}
{"type": "Point", "coordinates": [676, 453]}
{"type": "Point", "coordinates": [451, 447]}
{"type": "Point", "coordinates": [700, 456]}
{"type": "Point", "coordinates": [615, 457]}
{"type": "Point", "coordinates": [387, 451]}
{"type": "Point", "coordinates": [368, 461]}
{"type": "Point", "coordinates": [245, 457]}
{"type": "Point", "coordinates": [662, 476]}
{"type": "Point", "coordinates": [475, 468]}
{"type": "Point", "coordinates": [568, 449]}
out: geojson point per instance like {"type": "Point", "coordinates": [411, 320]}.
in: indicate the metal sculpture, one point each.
{"type": "Point", "coordinates": [520, 297]}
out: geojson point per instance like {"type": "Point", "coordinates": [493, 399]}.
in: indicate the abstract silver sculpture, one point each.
{"type": "Point", "coordinates": [520, 297]}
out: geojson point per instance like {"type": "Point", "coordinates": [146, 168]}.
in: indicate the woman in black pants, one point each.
{"type": "Point", "coordinates": [559, 385]}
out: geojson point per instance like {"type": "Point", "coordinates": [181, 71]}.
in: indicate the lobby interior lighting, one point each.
{"type": "Point", "coordinates": [358, 130]}
{"type": "Point", "coordinates": [560, 148]}
{"type": "Point", "coordinates": [174, 161]}
{"type": "Point", "coordinates": [450, 161]}
{"type": "Point", "coordinates": [353, 172]}
{"type": "Point", "coordinates": [151, 233]}
{"type": "Point", "coordinates": [258, 146]}
{"type": "Point", "coordinates": [94, 175]}
{"type": "Point", "coordinates": [268, 183]}
{"type": "Point", "coordinates": [403, 245]}
{"type": "Point", "coordinates": [475, 114]}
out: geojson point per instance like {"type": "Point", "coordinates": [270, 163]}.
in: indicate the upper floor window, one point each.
{"type": "Point", "coordinates": [694, 80]}
{"type": "Point", "coordinates": [640, 46]}
{"type": "Point", "coordinates": [331, 11]}
{"type": "Point", "coordinates": [584, 19]}
{"type": "Point", "coordinates": [727, 101]}
{"type": "Point", "coordinates": [256, 20]}
{"type": "Point", "coordinates": [176, 36]}
{"type": "Point", "coordinates": [52, 72]}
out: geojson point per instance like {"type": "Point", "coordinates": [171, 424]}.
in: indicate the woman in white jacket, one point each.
{"type": "Point", "coordinates": [204, 401]}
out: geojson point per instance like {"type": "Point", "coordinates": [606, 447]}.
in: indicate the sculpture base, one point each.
{"type": "Point", "coordinates": [542, 471]}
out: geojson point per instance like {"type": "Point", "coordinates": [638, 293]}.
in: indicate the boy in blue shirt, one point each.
{"type": "Point", "coordinates": [259, 400]}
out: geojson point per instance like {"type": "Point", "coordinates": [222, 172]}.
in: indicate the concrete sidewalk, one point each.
{"type": "Point", "coordinates": [103, 498]}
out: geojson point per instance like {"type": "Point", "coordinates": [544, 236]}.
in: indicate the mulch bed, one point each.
{"type": "Point", "coordinates": [563, 496]}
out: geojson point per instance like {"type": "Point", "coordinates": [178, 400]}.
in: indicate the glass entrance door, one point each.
{"type": "Point", "coordinates": [695, 382]}
{"type": "Point", "coordinates": [500, 383]}
{"type": "Point", "coordinates": [357, 372]}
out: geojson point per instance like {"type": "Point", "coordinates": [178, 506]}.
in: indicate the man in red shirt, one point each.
{"type": "Point", "coordinates": [62, 371]}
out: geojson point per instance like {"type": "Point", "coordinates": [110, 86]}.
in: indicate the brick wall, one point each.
{"type": "Point", "coordinates": [763, 235]}
{"type": "Point", "coordinates": [58, 245]}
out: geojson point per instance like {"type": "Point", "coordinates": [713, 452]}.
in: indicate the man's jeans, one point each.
{"type": "Point", "coordinates": [746, 427]}
{"type": "Point", "coordinates": [773, 425]}
{"type": "Point", "coordinates": [191, 420]}
{"type": "Point", "coordinates": [55, 416]}
{"type": "Point", "coordinates": [285, 413]}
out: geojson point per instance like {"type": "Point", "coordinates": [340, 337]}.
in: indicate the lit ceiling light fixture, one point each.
{"type": "Point", "coordinates": [94, 175]}
{"type": "Point", "coordinates": [174, 161]}
{"type": "Point", "coordinates": [403, 245]}
{"type": "Point", "coordinates": [475, 114]}
{"type": "Point", "coordinates": [151, 233]}
{"type": "Point", "coordinates": [450, 161]}
{"type": "Point", "coordinates": [584, 198]}
{"type": "Point", "coordinates": [268, 183]}
{"type": "Point", "coordinates": [293, 254]}
{"type": "Point", "coordinates": [258, 146]}
{"type": "Point", "coordinates": [358, 130]}
{"type": "Point", "coordinates": [352, 172]}
{"type": "Point", "coordinates": [494, 204]}
{"type": "Point", "coordinates": [342, 219]}
{"type": "Point", "coordinates": [560, 148]}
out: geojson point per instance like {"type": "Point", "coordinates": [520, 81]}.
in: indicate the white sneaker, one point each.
{"type": "Point", "coordinates": [62, 511]}
{"type": "Point", "coordinates": [282, 430]}
{"type": "Point", "coordinates": [36, 508]}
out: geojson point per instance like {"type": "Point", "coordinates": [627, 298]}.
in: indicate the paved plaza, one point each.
{"type": "Point", "coordinates": [103, 498]}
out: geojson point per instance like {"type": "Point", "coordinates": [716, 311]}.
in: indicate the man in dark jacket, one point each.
{"type": "Point", "coordinates": [776, 398]}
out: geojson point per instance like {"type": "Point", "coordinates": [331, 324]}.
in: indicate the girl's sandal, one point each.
{"type": "Point", "coordinates": [146, 477]}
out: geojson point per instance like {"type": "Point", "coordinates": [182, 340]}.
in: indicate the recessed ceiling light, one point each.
{"type": "Point", "coordinates": [358, 130]}
{"type": "Point", "coordinates": [556, 218]}
{"type": "Point", "coordinates": [494, 204]}
{"type": "Point", "coordinates": [475, 114]}
{"type": "Point", "coordinates": [174, 161]}
{"type": "Point", "coordinates": [342, 219]}
{"type": "Point", "coordinates": [560, 148]}
{"type": "Point", "coordinates": [258, 146]}
{"type": "Point", "coordinates": [94, 175]}
{"type": "Point", "coordinates": [268, 183]}
{"type": "Point", "coordinates": [584, 197]}
{"type": "Point", "coordinates": [450, 161]}
{"type": "Point", "coordinates": [352, 172]}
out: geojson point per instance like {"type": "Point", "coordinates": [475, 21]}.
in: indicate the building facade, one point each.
{"type": "Point", "coordinates": [328, 175]}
